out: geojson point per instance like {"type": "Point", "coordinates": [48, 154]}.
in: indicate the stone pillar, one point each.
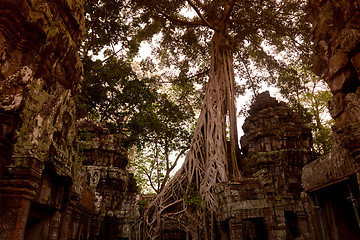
{"type": "Point", "coordinates": [235, 230]}
{"type": "Point", "coordinates": [303, 226]}
{"type": "Point", "coordinates": [17, 189]}
{"type": "Point", "coordinates": [65, 223]}
{"type": "Point", "coordinates": [55, 226]}
{"type": "Point", "coordinates": [40, 72]}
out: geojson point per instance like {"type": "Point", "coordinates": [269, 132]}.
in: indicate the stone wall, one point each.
{"type": "Point", "coordinates": [266, 203]}
{"type": "Point", "coordinates": [107, 178]}
{"type": "Point", "coordinates": [40, 73]}
{"type": "Point", "coordinates": [54, 184]}
{"type": "Point", "coordinates": [331, 182]}
{"type": "Point", "coordinates": [61, 179]}
{"type": "Point", "coordinates": [336, 58]}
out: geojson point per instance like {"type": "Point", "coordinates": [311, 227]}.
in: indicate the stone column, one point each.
{"type": "Point", "coordinates": [40, 73]}
{"type": "Point", "coordinates": [17, 189]}
{"type": "Point", "coordinates": [235, 230]}
{"type": "Point", "coordinates": [55, 226]}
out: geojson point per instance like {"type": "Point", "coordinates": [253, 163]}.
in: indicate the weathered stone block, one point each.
{"type": "Point", "coordinates": [340, 81]}
{"type": "Point", "coordinates": [336, 104]}
{"type": "Point", "coordinates": [341, 120]}
{"type": "Point", "coordinates": [348, 39]}
{"type": "Point", "coordinates": [338, 61]}
{"type": "Point", "coordinates": [329, 168]}
{"type": "Point", "coordinates": [355, 60]}
{"type": "Point", "coordinates": [320, 65]}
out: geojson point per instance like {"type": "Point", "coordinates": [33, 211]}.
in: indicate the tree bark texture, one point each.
{"type": "Point", "coordinates": [190, 198]}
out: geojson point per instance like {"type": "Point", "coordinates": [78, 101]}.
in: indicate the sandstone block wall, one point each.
{"type": "Point", "coordinates": [40, 73]}
{"type": "Point", "coordinates": [336, 35]}
{"type": "Point", "coordinates": [331, 182]}
{"type": "Point", "coordinates": [47, 189]}
{"type": "Point", "coordinates": [267, 204]}
{"type": "Point", "coordinates": [108, 180]}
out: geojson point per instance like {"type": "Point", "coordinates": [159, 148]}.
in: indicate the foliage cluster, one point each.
{"type": "Point", "coordinates": [154, 116]}
{"type": "Point", "coordinates": [142, 206]}
{"type": "Point", "coordinates": [153, 101]}
{"type": "Point", "coordinates": [309, 97]}
{"type": "Point", "coordinates": [193, 197]}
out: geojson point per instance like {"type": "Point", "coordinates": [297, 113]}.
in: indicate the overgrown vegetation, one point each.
{"type": "Point", "coordinates": [142, 206]}
{"type": "Point", "coordinates": [193, 197]}
{"type": "Point", "coordinates": [154, 117]}
{"type": "Point", "coordinates": [309, 97]}
{"type": "Point", "coordinates": [199, 47]}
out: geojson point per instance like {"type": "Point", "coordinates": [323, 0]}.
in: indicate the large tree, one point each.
{"type": "Point", "coordinates": [309, 96]}
{"type": "Point", "coordinates": [154, 117]}
{"type": "Point", "coordinates": [218, 31]}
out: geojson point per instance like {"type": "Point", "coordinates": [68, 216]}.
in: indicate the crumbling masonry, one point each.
{"type": "Point", "coordinates": [331, 183]}
{"type": "Point", "coordinates": [267, 204]}
{"type": "Point", "coordinates": [56, 181]}
{"type": "Point", "coordinates": [288, 192]}
{"type": "Point", "coordinates": [63, 178]}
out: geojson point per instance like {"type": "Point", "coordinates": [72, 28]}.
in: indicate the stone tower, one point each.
{"type": "Point", "coordinates": [266, 204]}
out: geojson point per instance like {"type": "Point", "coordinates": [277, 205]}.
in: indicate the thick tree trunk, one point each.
{"type": "Point", "coordinates": [209, 147]}
{"type": "Point", "coordinates": [206, 162]}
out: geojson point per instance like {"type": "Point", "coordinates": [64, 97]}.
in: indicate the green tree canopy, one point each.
{"type": "Point", "coordinates": [151, 113]}
{"type": "Point", "coordinates": [309, 97]}
{"type": "Point", "coordinates": [222, 38]}
{"type": "Point", "coordinates": [200, 46]}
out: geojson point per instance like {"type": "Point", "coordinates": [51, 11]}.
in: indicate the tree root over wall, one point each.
{"type": "Point", "coordinates": [189, 199]}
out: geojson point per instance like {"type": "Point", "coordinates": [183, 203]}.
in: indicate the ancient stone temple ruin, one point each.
{"type": "Point", "coordinates": [63, 178]}
{"type": "Point", "coordinates": [58, 179]}
{"type": "Point", "coordinates": [266, 203]}
{"type": "Point", "coordinates": [109, 189]}
{"type": "Point", "coordinates": [331, 183]}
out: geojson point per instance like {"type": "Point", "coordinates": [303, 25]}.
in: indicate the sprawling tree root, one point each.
{"type": "Point", "coordinates": [189, 199]}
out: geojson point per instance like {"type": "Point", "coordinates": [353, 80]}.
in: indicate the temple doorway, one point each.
{"type": "Point", "coordinates": [37, 226]}
{"type": "Point", "coordinates": [338, 210]}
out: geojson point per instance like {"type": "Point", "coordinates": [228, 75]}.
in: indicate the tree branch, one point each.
{"type": "Point", "coordinates": [149, 177]}
{"type": "Point", "coordinates": [106, 59]}
{"type": "Point", "coordinates": [177, 159]}
{"type": "Point", "coordinates": [177, 20]}
{"type": "Point", "coordinates": [228, 10]}
{"type": "Point", "coordinates": [200, 3]}
{"type": "Point", "coordinates": [187, 78]}
{"type": "Point", "coordinates": [252, 83]}
{"type": "Point", "coordinates": [201, 16]}
{"type": "Point", "coordinates": [289, 34]}
{"type": "Point", "coordinates": [170, 168]}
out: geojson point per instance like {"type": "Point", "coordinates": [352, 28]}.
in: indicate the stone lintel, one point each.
{"type": "Point", "coordinates": [330, 168]}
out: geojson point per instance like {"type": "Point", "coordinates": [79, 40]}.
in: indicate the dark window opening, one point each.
{"type": "Point", "coordinates": [254, 229]}
{"type": "Point", "coordinates": [34, 228]}
{"type": "Point", "coordinates": [224, 230]}
{"type": "Point", "coordinates": [292, 225]}
{"type": "Point", "coordinates": [174, 235]}
{"type": "Point", "coordinates": [37, 225]}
